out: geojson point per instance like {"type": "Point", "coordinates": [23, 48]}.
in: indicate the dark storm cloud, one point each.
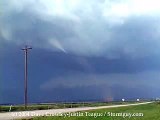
{"type": "Point", "coordinates": [97, 50]}
{"type": "Point", "coordinates": [27, 29]}
{"type": "Point", "coordinates": [138, 37]}
{"type": "Point", "coordinates": [105, 86]}
{"type": "Point", "coordinates": [82, 32]}
{"type": "Point", "coordinates": [60, 76]}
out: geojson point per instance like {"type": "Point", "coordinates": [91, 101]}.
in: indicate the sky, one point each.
{"type": "Point", "coordinates": [82, 50]}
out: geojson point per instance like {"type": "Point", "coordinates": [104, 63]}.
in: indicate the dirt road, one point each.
{"type": "Point", "coordinates": [31, 114]}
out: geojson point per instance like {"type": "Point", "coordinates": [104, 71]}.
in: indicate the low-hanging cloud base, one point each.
{"type": "Point", "coordinates": [82, 49]}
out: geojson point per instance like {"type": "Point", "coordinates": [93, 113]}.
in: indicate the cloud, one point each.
{"type": "Point", "coordinates": [57, 44]}
{"type": "Point", "coordinates": [113, 79]}
{"type": "Point", "coordinates": [105, 86]}
{"type": "Point", "coordinates": [92, 33]}
{"type": "Point", "coordinates": [68, 77]}
{"type": "Point", "coordinates": [88, 28]}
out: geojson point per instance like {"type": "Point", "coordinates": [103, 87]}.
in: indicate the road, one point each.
{"type": "Point", "coordinates": [31, 114]}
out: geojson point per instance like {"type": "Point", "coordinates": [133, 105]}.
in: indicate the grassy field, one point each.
{"type": "Point", "coordinates": [142, 112]}
{"type": "Point", "coordinates": [58, 106]}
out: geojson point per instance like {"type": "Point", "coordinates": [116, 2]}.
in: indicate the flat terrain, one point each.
{"type": "Point", "coordinates": [45, 106]}
{"type": "Point", "coordinates": [31, 114]}
{"type": "Point", "coordinates": [140, 112]}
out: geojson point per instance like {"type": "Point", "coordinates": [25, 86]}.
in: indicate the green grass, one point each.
{"type": "Point", "coordinates": [58, 106]}
{"type": "Point", "coordinates": [149, 112]}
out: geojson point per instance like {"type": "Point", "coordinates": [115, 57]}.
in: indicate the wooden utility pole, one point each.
{"type": "Point", "coordinates": [25, 49]}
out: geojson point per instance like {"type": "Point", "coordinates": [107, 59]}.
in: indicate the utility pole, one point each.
{"type": "Point", "coordinates": [25, 49]}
